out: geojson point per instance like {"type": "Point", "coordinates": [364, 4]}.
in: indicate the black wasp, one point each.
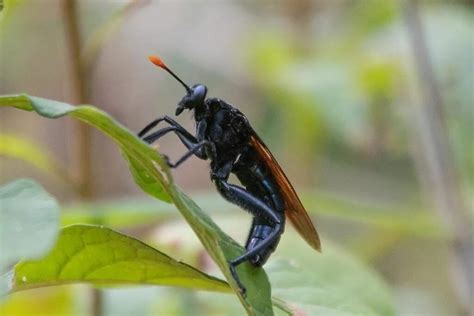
{"type": "Point", "coordinates": [225, 137]}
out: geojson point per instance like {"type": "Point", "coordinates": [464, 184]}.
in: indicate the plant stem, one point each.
{"type": "Point", "coordinates": [82, 141]}
{"type": "Point", "coordinates": [436, 164]}
{"type": "Point", "coordinates": [81, 150]}
{"type": "Point", "coordinates": [283, 306]}
{"type": "Point", "coordinates": [92, 47]}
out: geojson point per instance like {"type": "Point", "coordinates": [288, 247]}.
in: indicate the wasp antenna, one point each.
{"type": "Point", "coordinates": [159, 62]}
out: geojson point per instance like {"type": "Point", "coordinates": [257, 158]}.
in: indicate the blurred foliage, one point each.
{"type": "Point", "coordinates": [15, 147]}
{"type": "Point", "coordinates": [119, 214]}
{"type": "Point", "coordinates": [406, 220]}
{"type": "Point", "coordinates": [5, 6]}
{"type": "Point", "coordinates": [46, 301]}
{"type": "Point", "coordinates": [29, 219]}
{"type": "Point", "coordinates": [335, 283]}
{"type": "Point", "coordinates": [349, 93]}
{"type": "Point", "coordinates": [335, 90]}
{"type": "Point", "coordinates": [368, 17]}
{"type": "Point", "coordinates": [332, 282]}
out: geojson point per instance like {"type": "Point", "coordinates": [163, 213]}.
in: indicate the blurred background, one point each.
{"type": "Point", "coordinates": [368, 106]}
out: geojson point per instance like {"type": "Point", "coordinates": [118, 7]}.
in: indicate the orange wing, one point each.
{"type": "Point", "coordinates": [295, 210]}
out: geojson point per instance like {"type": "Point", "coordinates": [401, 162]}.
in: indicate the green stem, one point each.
{"type": "Point", "coordinates": [82, 142]}
{"type": "Point", "coordinates": [81, 150]}
{"type": "Point", "coordinates": [436, 165]}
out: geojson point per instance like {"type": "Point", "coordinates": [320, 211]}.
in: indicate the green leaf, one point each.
{"type": "Point", "coordinates": [6, 9]}
{"type": "Point", "coordinates": [143, 159]}
{"type": "Point", "coordinates": [304, 281]}
{"type": "Point", "coordinates": [331, 283]}
{"type": "Point", "coordinates": [410, 219]}
{"type": "Point", "coordinates": [101, 256]}
{"type": "Point", "coordinates": [44, 301]}
{"type": "Point", "coordinates": [105, 30]}
{"type": "Point", "coordinates": [20, 148]}
{"type": "Point", "coordinates": [29, 219]}
{"type": "Point", "coordinates": [124, 213]}
{"type": "Point", "coordinates": [222, 249]}
{"type": "Point", "coordinates": [403, 220]}
{"type": "Point", "coordinates": [153, 176]}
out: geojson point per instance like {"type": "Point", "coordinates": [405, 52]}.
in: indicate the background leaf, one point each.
{"type": "Point", "coordinates": [407, 220]}
{"type": "Point", "coordinates": [45, 301]}
{"type": "Point", "coordinates": [29, 219]}
{"type": "Point", "coordinates": [145, 162]}
{"type": "Point", "coordinates": [119, 214]}
{"type": "Point", "coordinates": [23, 149]}
{"type": "Point", "coordinates": [304, 282]}
{"type": "Point", "coordinates": [332, 283]}
{"type": "Point", "coordinates": [101, 256]}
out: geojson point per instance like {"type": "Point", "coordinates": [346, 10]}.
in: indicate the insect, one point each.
{"type": "Point", "coordinates": [225, 137]}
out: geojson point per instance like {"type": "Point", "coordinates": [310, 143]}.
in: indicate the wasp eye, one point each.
{"type": "Point", "coordinates": [199, 92]}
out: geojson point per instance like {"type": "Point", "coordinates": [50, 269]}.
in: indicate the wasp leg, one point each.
{"type": "Point", "coordinates": [186, 138]}
{"type": "Point", "coordinates": [257, 207]}
{"type": "Point", "coordinates": [153, 137]}
{"type": "Point", "coordinates": [199, 147]}
{"type": "Point", "coordinates": [155, 122]}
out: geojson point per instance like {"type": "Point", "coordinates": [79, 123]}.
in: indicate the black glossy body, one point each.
{"type": "Point", "coordinates": [223, 136]}
{"type": "Point", "coordinates": [230, 132]}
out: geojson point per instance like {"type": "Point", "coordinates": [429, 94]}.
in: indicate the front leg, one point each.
{"type": "Point", "coordinates": [155, 122]}
{"type": "Point", "coordinates": [186, 138]}
{"type": "Point", "coordinates": [195, 150]}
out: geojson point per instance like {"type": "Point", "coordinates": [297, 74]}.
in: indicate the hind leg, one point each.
{"type": "Point", "coordinates": [259, 230]}
{"type": "Point", "coordinates": [257, 207]}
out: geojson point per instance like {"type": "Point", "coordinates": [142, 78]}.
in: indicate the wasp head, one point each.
{"type": "Point", "coordinates": [193, 99]}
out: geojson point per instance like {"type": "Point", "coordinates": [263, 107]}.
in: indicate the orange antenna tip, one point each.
{"type": "Point", "coordinates": [157, 61]}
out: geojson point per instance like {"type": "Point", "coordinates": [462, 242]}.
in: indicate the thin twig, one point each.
{"type": "Point", "coordinates": [82, 141]}
{"type": "Point", "coordinates": [93, 46]}
{"type": "Point", "coordinates": [435, 157]}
